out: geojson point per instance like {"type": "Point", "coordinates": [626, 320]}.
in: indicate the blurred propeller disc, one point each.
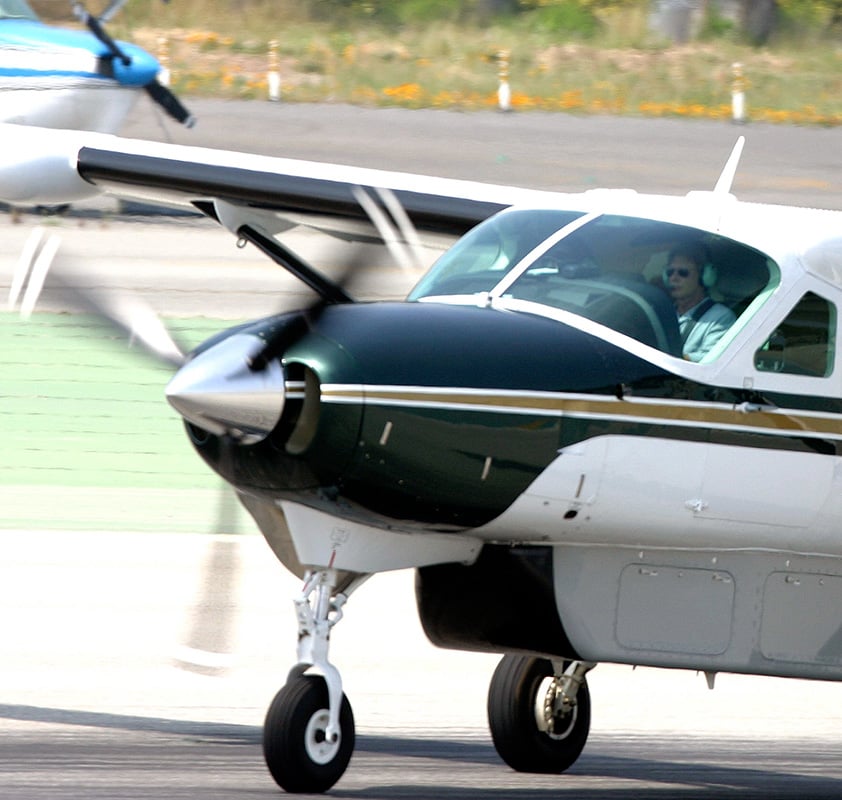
{"type": "Point", "coordinates": [399, 234]}
{"type": "Point", "coordinates": [38, 275]}
{"type": "Point", "coordinates": [33, 265]}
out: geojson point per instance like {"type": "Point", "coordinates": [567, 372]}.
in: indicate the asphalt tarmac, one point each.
{"type": "Point", "coordinates": [99, 697]}
{"type": "Point", "coordinates": [780, 163]}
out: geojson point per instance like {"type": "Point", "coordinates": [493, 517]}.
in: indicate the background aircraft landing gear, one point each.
{"type": "Point", "coordinates": [539, 712]}
{"type": "Point", "coordinates": [308, 734]}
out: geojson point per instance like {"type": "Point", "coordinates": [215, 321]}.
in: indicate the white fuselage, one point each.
{"type": "Point", "coordinates": [67, 103]}
{"type": "Point", "coordinates": [733, 561]}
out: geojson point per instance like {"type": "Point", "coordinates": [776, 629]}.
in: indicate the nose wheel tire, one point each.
{"type": "Point", "coordinates": [295, 745]}
{"type": "Point", "coordinates": [530, 732]}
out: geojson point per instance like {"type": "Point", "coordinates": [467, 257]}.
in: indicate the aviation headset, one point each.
{"type": "Point", "coordinates": [699, 254]}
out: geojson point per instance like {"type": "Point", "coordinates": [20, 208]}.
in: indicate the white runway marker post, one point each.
{"type": "Point", "coordinates": [504, 92]}
{"type": "Point", "coordinates": [738, 94]}
{"type": "Point", "coordinates": [273, 76]}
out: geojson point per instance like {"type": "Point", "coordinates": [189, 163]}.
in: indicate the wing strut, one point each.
{"type": "Point", "coordinates": [329, 292]}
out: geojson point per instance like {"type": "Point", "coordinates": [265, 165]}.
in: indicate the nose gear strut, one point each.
{"type": "Point", "coordinates": [318, 609]}
{"type": "Point", "coordinates": [308, 735]}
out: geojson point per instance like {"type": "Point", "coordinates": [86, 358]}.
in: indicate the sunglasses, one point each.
{"type": "Point", "coordinates": [682, 273]}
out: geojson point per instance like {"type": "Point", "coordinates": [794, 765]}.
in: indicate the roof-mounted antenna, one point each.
{"type": "Point", "coordinates": [726, 179]}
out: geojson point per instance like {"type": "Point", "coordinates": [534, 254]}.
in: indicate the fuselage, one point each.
{"type": "Point", "coordinates": [542, 407]}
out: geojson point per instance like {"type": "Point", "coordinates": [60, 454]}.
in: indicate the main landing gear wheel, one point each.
{"type": "Point", "coordinates": [535, 725]}
{"type": "Point", "coordinates": [295, 744]}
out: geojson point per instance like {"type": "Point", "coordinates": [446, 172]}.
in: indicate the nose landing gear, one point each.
{"type": "Point", "coordinates": [308, 735]}
{"type": "Point", "coordinates": [300, 754]}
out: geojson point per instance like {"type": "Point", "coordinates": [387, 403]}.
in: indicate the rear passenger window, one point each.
{"type": "Point", "coordinates": [803, 344]}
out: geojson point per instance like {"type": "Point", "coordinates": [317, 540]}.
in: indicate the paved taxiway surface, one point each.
{"type": "Point", "coordinates": [548, 151]}
{"type": "Point", "coordinates": [95, 701]}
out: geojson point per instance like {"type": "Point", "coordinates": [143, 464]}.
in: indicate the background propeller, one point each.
{"type": "Point", "coordinates": [160, 94]}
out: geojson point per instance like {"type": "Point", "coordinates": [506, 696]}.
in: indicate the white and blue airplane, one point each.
{"type": "Point", "coordinates": [56, 77]}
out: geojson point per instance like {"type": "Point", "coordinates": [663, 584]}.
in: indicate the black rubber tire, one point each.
{"type": "Point", "coordinates": [288, 753]}
{"type": "Point", "coordinates": [514, 729]}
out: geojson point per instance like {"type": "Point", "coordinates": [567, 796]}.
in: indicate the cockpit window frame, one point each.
{"type": "Point", "coordinates": [626, 254]}
{"type": "Point", "coordinates": [745, 318]}
{"type": "Point", "coordinates": [522, 266]}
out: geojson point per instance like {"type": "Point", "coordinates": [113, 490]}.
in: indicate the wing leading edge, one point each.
{"type": "Point", "coordinates": [50, 167]}
{"type": "Point", "coordinates": [165, 178]}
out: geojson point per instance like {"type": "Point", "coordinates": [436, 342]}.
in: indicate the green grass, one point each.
{"type": "Point", "coordinates": [89, 441]}
{"type": "Point", "coordinates": [78, 409]}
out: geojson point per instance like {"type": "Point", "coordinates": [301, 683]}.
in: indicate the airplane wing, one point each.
{"type": "Point", "coordinates": [48, 167]}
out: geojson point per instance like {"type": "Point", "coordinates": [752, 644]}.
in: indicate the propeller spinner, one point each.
{"type": "Point", "coordinates": [221, 392]}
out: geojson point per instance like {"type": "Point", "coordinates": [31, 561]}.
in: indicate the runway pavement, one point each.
{"type": "Point", "coordinates": [563, 152]}
{"type": "Point", "coordinates": [95, 699]}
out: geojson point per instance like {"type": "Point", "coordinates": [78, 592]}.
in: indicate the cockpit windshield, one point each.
{"type": "Point", "coordinates": [16, 9]}
{"type": "Point", "coordinates": [670, 286]}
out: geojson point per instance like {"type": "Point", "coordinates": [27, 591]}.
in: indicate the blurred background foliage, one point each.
{"type": "Point", "coordinates": [757, 21]}
{"type": "Point", "coordinates": [643, 57]}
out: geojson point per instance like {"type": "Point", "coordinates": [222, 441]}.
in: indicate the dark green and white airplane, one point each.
{"type": "Point", "coordinates": [539, 429]}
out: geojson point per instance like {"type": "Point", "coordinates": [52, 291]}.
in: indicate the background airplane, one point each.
{"type": "Point", "coordinates": [55, 77]}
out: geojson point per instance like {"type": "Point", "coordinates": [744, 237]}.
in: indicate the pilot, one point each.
{"type": "Point", "coordinates": [701, 320]}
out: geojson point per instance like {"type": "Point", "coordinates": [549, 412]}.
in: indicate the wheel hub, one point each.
{"type": "Point", "coordinates": [319, 748]}
{"type": "Point", "coordinates": [555, 715]}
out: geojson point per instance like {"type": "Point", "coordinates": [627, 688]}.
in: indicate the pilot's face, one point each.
{"type": "Point", "coordinates": [683, 281]}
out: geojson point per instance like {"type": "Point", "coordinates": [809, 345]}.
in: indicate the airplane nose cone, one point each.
{"type": "Point", "coordinates": [219, 392]}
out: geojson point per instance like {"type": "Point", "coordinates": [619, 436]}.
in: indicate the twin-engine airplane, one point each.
{"type": "Point", "coordinates": [60, 78]}
{"type": "Point", "coordinates": [530, 429]}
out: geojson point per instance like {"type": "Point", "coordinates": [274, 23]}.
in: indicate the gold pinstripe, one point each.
{"type": "Point", "coordinates": [631, 409]}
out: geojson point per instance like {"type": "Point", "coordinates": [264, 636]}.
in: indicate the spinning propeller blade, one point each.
{"type": "Point", "coordinates": [385, 212]}
{"type": "Point", "coordinates": [209, 641]}
{"type": "Point", "coordinates": [33, 265]}
{"type": "Point", "coordinates": [398, 233]}
{"type": "Point", "coordinates": [128, 314]}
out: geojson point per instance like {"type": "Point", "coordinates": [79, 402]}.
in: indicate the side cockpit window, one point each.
{"type": "Point", "coordinates": [803, 344]}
